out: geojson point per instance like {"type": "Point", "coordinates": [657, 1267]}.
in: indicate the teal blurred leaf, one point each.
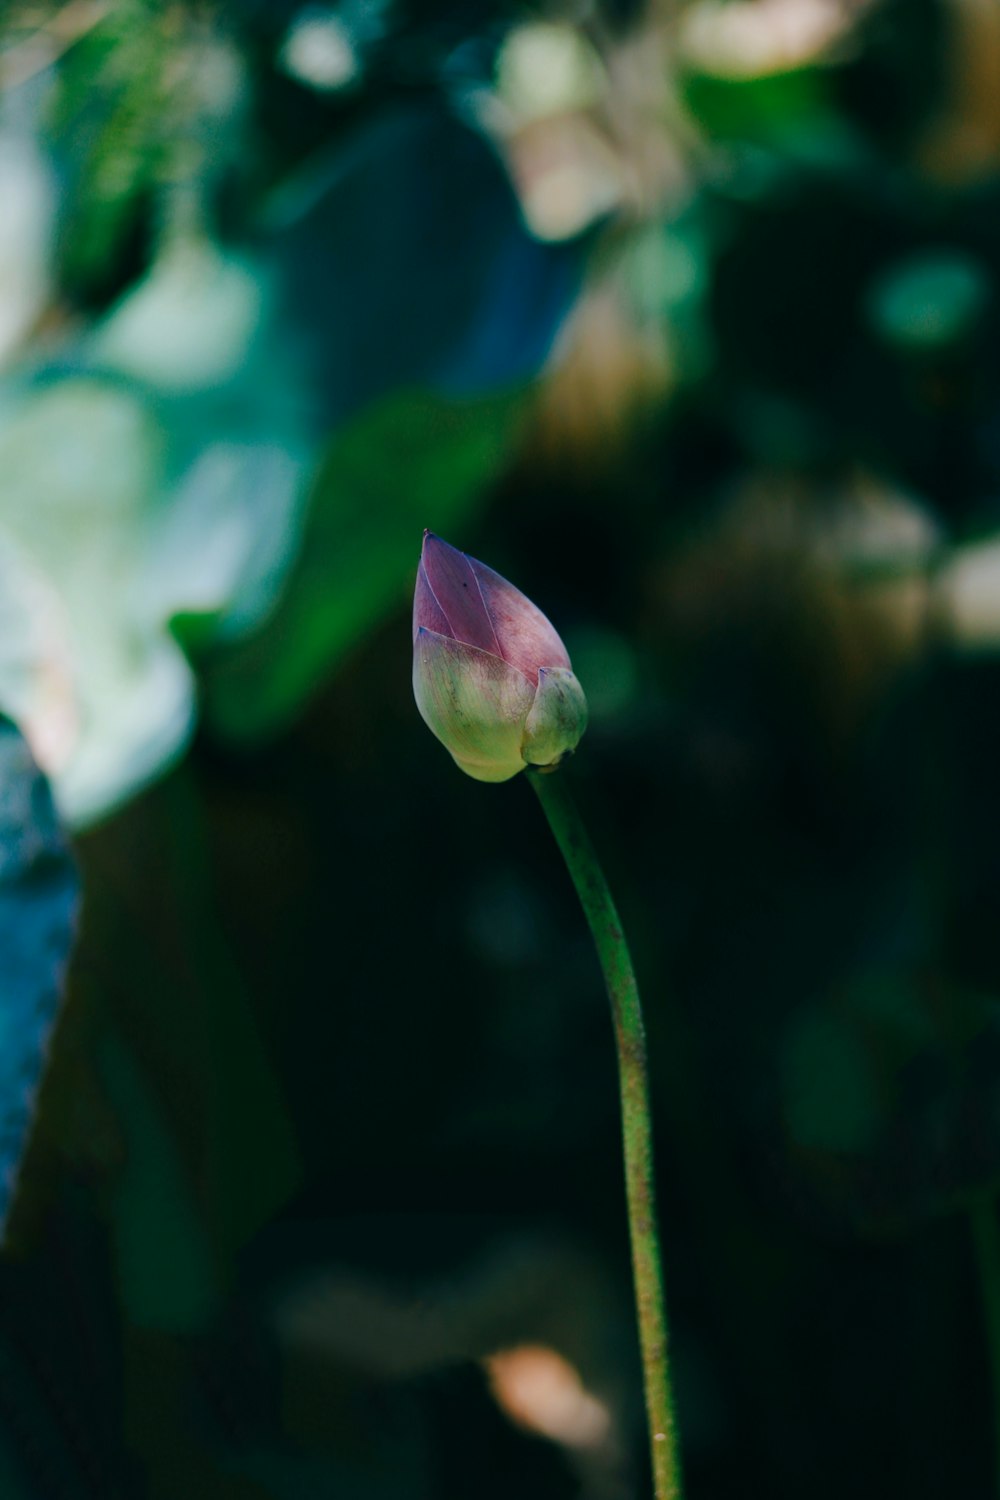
{"type": "Point", "coordinates": [930, 301]}
{"type": "Point", "coordinates": [472, 303]}
{"type": "Point", "coordinates": [412, 461]}
{"type": "Point", "coordinates": [38, 901]}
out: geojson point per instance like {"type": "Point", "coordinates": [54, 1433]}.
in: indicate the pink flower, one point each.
{"type": "Point", "coordinates": [490, 675]}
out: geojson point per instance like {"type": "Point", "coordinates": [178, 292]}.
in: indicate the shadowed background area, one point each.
{"type": "Point", "coordinates": [685, 318]}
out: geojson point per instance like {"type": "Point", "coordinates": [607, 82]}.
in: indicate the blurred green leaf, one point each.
{"type": "Point", "coordinates": [165, 1263]}
{"type": "Point", "coordinates": [412, 461]}
{"type": "Point", "coordinates": [773, 108]}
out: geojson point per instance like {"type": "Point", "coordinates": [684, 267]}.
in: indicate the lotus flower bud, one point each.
{"type": "Point", "coordinates": [490, 675]}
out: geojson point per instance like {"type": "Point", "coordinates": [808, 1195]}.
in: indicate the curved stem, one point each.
{"type": "Point", "coordinates": [623, 992]}
{"type": "Point", "coordinates": [986, 1243]}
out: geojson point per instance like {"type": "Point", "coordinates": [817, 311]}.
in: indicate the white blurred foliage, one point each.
{"type": "Point", "coordinates": [567, 177]}
{"type": "Point", "coordinates": [189, 323]}
{"type": "Point", "coordinates": [226, 533]}
{"type": "Point", "coordinates": [78, 461]}
{"type": "Point", "coordinates": [217, 79]}
{"type": "Point", "coordinates": [546, 68]}
{"type": "Point", "coordinates": [36, 667]}
{"type": "Point", "coordinates": [753, 38]}
{"type": "Point", "coordinates": [549, 82]}
{"type": "Point", "coordinates": [318, 50]}
{"type": "Point", "coordinates": [877, 529]}
{"type": "Point", "coordinates": [969, 595]}
{"type": "Point", "coordinates": [127, 500]}
{"type": "Point", "coordinates": [27, 218]}
{"type": "Point", "coordinates": [324, 48]}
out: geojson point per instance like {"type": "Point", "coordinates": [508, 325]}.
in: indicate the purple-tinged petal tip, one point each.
{"type": "Point", "coordinates": [527, 638]}
{"type": "Point", "coordinates": [427, 613]}
{"type": "Point", "coordinates": [451, 581]}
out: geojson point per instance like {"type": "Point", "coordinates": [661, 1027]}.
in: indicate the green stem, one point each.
{"type": "Point", "coordinates": [986, 1240]}
{"type": "Point", "coordinates": [623, 992]}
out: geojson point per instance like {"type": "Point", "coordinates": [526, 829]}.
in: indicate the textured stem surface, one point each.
{"type": "Point", "coordinates": [623, 992]}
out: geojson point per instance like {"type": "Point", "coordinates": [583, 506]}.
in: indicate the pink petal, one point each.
{"type": "Point", "coordinates": [453, 586]}
{"type": "Point", "coordinates": [464, 599]}
{"type": "Point", "coordinates": [427, 612]}
{"type": "Point", "coordinates": [527, 639]}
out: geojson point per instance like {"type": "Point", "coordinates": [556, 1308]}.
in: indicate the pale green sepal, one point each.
{"type": "Point", "coordinates": [557, 719]}
{"type": "Point", "coordinates": [491, 772]}
{"type": "Point", "coordinates": [474, 702]}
